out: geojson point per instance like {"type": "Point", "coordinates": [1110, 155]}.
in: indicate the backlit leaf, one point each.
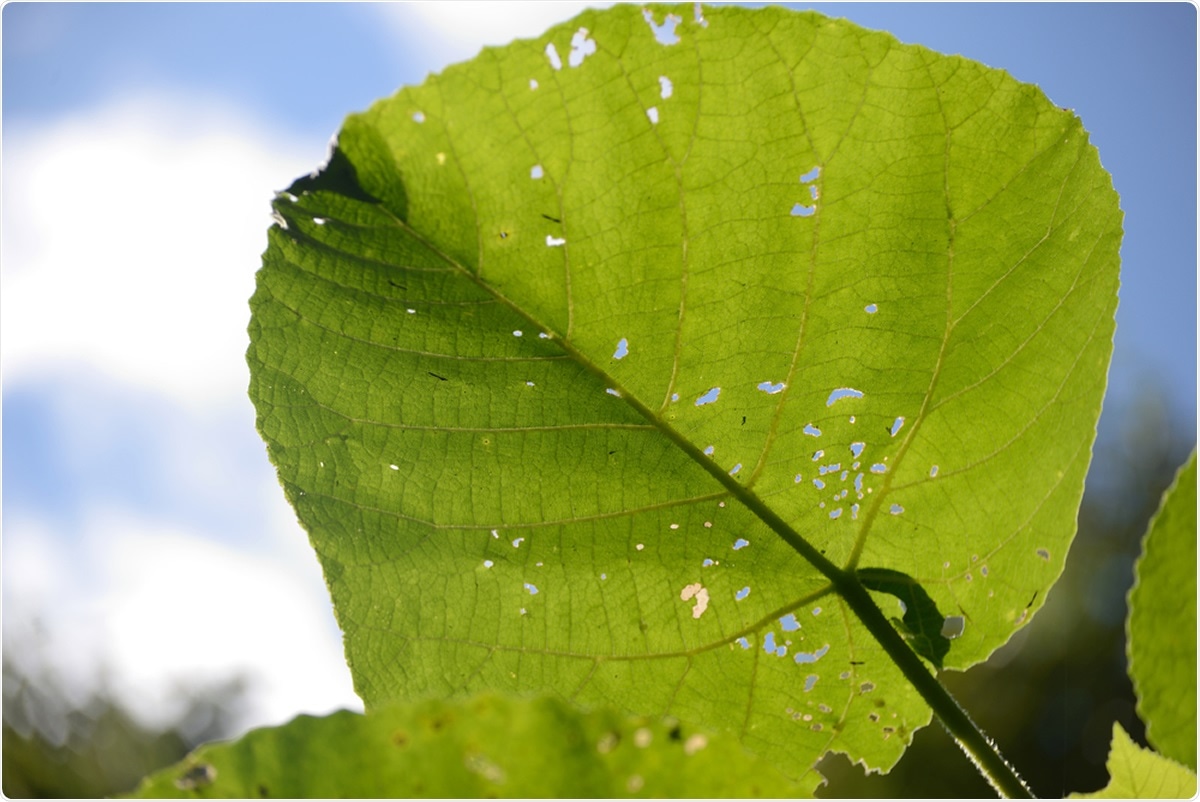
{"type": "Point", "coordinates": [1137, 773]}
{"type": "Point", "coordinates": [483, 747]}
{"type": "Point", "coordinates": [579, 335]}
{"type": "Point", "coordinates": [1162, 623]}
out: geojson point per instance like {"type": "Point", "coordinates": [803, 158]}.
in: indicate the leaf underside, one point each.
{"type": "Point", "coordinates": [536, 360]}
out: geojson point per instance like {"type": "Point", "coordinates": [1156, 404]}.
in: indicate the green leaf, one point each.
{"type": "Point", "coordinates": [1137, 773]}
{"type": "Point", "coordinates": [629, 355]}
{"type": "Point", "coordinates": [1162, 622]}
{"type": "Point", "coordinates": [489, 746]}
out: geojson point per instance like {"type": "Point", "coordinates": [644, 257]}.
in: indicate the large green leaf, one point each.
{"type": "Point", "coordinates": [576, 348]}
{"type": "Point", "coordinates": [1162, 623]}
{"type": "Point", "coordinates": [1137, 773]}
{"type": "Point", "coordinates": [483, 747]}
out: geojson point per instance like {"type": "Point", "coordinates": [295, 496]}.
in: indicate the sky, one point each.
{"type": "Point", "coordinates": [145, 538]}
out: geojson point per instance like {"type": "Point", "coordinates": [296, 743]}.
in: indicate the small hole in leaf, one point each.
{"type": "Point", "coordinates": [896, 509]}
{"type": "Point", "coordinates": [418, 117]}
{"type": "Point", "coordinates": [789, 623]}
{"type": "Point", "coordinates": [811, 430]}
{"type": "Point", "coordinates": [953, 626]}
{"type": "Point", "coordinates": [896, 425]}
{"type": "Point", "coordinates": [517, 543]}
{"type": "Point", "coordinates": [800, 210]}
{"type": "Point", "coordinates": [745, 644]}
{"type": "Point", "coordinates": [843, 392]}
{"type": "Point", "coordinates": [740, 543]}
{"type": "Point", "coordinates": [518, 333]}
{"type": "Point", "coordinates": [581, 47]}
{"type": "Point", "coordinates": [743, 593]}
{"type": "Point", "coordinates": [652, 113]}
{"type": "Point", "coordinates": [394, 467]}
{"type": "Point", "coordinates": [933, 471]}
{"type": "Point", "coordinates": [531, 588]}
{"type": "Point", "coordinates": [811, 175]}
{"type": "Point", "coordinates": [665, 33]}
{"type": "Point", "coordinates": [613, 392]}
{"type": "Point", "coordinates": [871, 309]}
{"type": "Point", "coordinates": [488, 563]}
{"type": "Point", "coordinates": [554, 242]}
{"type": "Point", "coordinates": [536, 172]}
{"type": "Point", "coordinates": [857, 449]}
{"type": "Point", "coordinates": [820, 485]}
{"type": "Point", "coordinates": [709, 397]}
{"type": "Point", "coordinates": [533, 84]}
{"type": "Point", "coordinates": [552, 55]}
{"type": "Point", "coordinates": [319, 221]}
{"type": "Point", "coordinates": [836, 513]}
{"type": "Point", "coordinates": [665, 86]}
{"type": "Point", "coordinates": [709, 451]}
{"type": "Point", "coordinates": [878, 467]}
{"type": "Point", "coordinates": [771, 389]}
{"type": "Point", "coordinates": [810, 682]}
{"type": "Point", "coordinates": [817, 455]}
{"type": "Point", "coordinates": [735, 469]}
{"type": "Point", "coordinates": [622, 349]}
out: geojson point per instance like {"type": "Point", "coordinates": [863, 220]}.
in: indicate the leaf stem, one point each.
{"type": "Point", "coordinates": [978, 746]}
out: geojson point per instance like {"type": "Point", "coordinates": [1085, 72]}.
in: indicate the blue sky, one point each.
{"type": "Point", "coordinates": [142, 143]}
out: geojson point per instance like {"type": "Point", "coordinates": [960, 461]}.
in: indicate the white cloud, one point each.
{"type": "Point", "coordinates": [131, 236]}
{"type": "Point", "coordinates": [463, 27]}
{"type": "Point", "coordinates": [155, 607]}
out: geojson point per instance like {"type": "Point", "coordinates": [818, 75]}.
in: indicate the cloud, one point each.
{"type": "Point", "coordinates": [462, 28]}
{"type": "Point", "coordinates": [131, 236]}
{"type": "Point", "coordinates": [154, 607]}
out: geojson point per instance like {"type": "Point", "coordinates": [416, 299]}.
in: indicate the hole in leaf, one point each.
{"type": "Point", "coordinates": [811, 657]}
{"type": "Point", "coordinates": [836, 513]}
{"type": "Point", "coordinates": [896, 425]}
{"type": "Point", "coordinates": [771, 389]}
{"type": "Point", "coordinates": [819, 484]}
{"type": "Point", "coordinates": [810, 682]}
{"type": "Point", "coordinates": [745, 644]}
{"type": "Point", "coordinates": [531, 588]}
{"type": "Point", "coordinates": [666, 88]}
{"type": "Point", "coordinates": [418, 117]}
{"type": "Point", "coordinates": [933, 471]}
{"type": "Point", "coordinates": [665, 33]}
{"type": "Point", "coordinates": [953, 626]}
{"type": "Point", "coordinates": [743, 593]}
{"type": "Point", "coordinates": [811, 175]}
{"type": "Point", "coordinates": [700, 593]}
{"type": "Point", "coordinates": [878, 467]}
{"type": "Point", "coordinates": [652, 113]}
{"type": "Point", "coordinates": [740, 543]}
{"type": "Point", "coordinates": [622, 349]}
{"type": "Point", "coordinates": [709, 451]}
{"type": "Point", "coordinates": [811, 430]}
{"type": "Point", "coordinates": [709, 397]}
{"type": "Point", "coordinates": [554, 242]}
{"type": "Point", "coordinates": [857, 449]}
{"type": "Point", "coordinates": [535, 172]}
{"type": "Point", "coordinates": [735, 469]}
{"type": "Point", "coordinates": [800, 210]}
{"type": "Point", "coordinates": [581, 47]}
{"type": "Point", "coordinates": [533, 84]}
{"type": "Point", "coordinates": [552, 55]}
{"type": "Point", "coordinates": [517, 543]}
{"type": "Point", "coordinates": [870, 309]}
{"type": "Point", "coordinates": [789, 623]}
{"type": "Point", "coordinates": [843, 392]}
{"type": "Point", "coordinates": [896, 509]}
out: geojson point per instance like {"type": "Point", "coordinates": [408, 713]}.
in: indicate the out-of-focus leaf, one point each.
{"type": "Point", "coordinates": [1137, 773]}
{"type": "Point", "coordinates": [1162, 623]}
{"type": "Point", "coordinates": [489, 746]}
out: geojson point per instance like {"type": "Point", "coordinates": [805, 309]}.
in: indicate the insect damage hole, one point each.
{"type": "Point", "coordinates": [666, 88]}
{"type": "Point", "coordinates": [552, 55]}
{"type": "Point", "coordinates": [700, 594]}
{"type": "Point", "coordinates": [581, 47]}
{"type": "Point", "coordinates": [664, 33]}
{"type": "Point", "coordinates": [709, 397]}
